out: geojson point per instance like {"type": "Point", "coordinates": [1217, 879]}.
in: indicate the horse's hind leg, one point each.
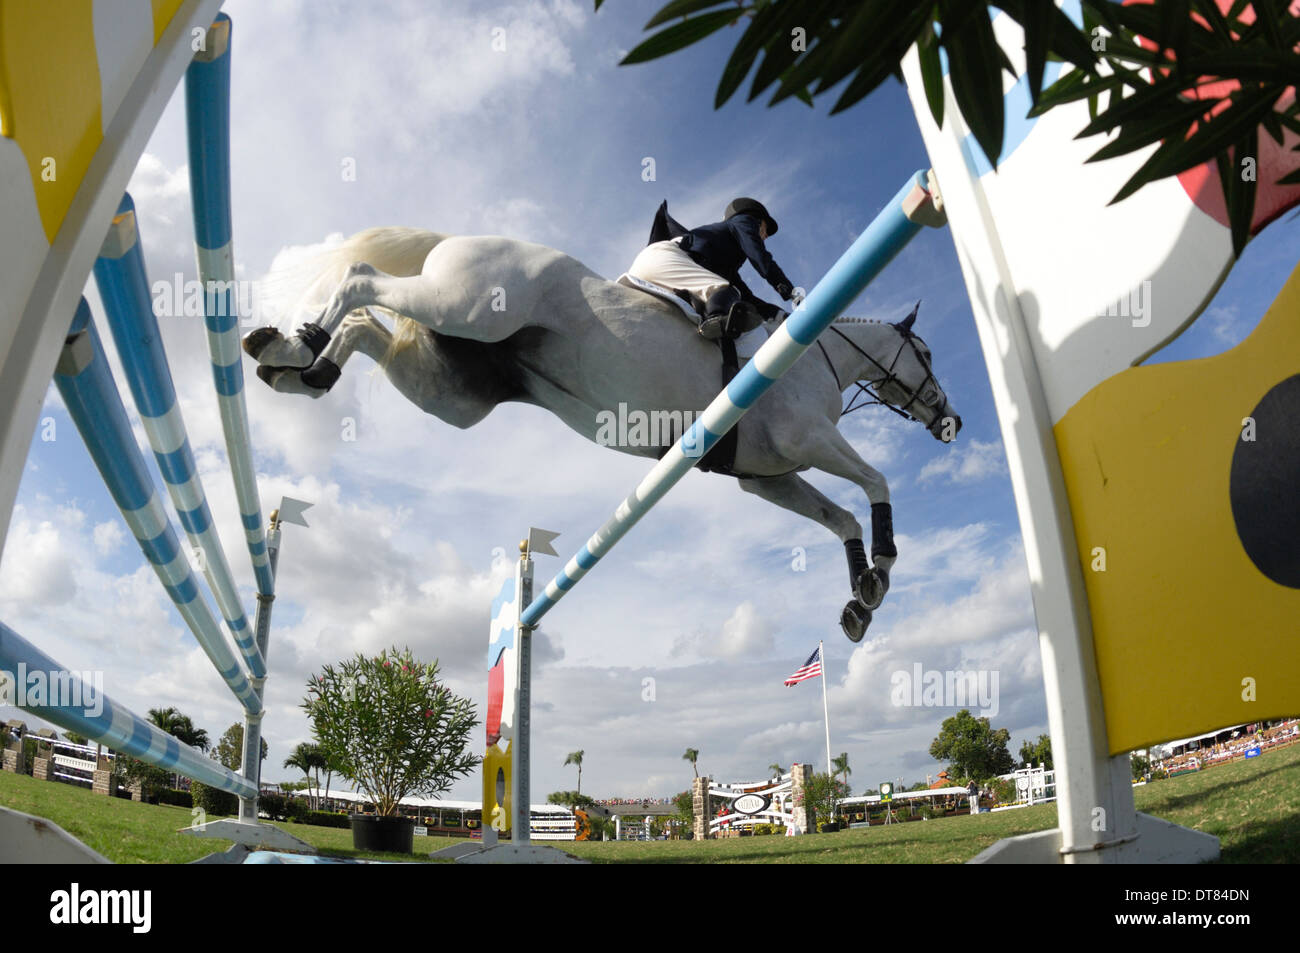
{"type": "Point", "coordinates": [439, 298]}
{"type": "Point", "coordinates": [360, 332]}
{"type": "Point", "coordinates": [796, 494]}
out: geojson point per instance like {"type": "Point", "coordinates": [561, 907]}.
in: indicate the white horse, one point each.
{"type": "Point", "coordinates": [483, 320]}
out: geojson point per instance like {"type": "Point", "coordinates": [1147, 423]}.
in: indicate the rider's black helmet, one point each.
{"type": "Point", "coordinates": [744, 206]}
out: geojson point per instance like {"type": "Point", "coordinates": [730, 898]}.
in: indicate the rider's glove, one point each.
{"type": "Point", "coordinates": [784, 290]}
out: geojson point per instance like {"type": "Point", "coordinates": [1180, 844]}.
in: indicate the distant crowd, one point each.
{"type": "Point", "coordinates": [1224, 751]}
{"type": "Point", "coordinates": [623, 801]}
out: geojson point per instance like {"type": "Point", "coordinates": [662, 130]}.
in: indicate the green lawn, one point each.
{"type": "Point", "coordinates": [1253, 807]}
{"type": "Point", "coordinates": [130, 833]}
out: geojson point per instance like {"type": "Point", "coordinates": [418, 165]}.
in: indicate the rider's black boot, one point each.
{"type": "Point", "coordinates": [727, 315]}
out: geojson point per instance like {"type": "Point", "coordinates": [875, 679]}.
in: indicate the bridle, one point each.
{"type": "Point", "coordinates": [867, 395]}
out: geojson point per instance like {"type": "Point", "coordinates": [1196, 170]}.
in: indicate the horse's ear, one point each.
{"type": "Point", "coordinates": [907, 322]}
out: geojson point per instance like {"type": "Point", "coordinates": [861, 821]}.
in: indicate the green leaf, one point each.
{"type": "Point", "coordinates": [1038, 38]}
{"type": "Point", "coordinates": [682, 35]}
{"type": "Point", "coordinates": [927, 50]}
{"type": "Point", "coordinates": [898, 25]}
{"type": "Point", "coordinates": [1212, 138]}
{"type": "Point", "coordinates": [682, 8]}
{"type": "Point", "coordinates": [1141, 131]}
{"type": "Point", "coordinates": [861, 85]}
{"type": "Point", "coordinates": [974, 67]}
{"type": "Point", "coordinates": [1238, 193]}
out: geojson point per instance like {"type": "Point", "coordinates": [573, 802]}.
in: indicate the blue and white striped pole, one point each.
{"type": "Point", "coordinates": [207, 110]}
{"type": "Point", "coordinates": [124, 288]}
{"type": "Point", "coordinates": [893, 228]}
{"type": "Point", "coordinates": [91, 395]}
{"type": "Point", "coordinates": [103, 720]}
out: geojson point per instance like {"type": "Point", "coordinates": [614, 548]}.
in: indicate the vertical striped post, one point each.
{"type": "Point", "coordinates": [88, 712]}
{"type": "Point", "coordinates": [252, 755]}
{"type": "Point", "coordinates": [207, 113]}
{"type": "Point", "coordinates": [124, 288]}
{"type": "Point", "coordinates": [90, 393]}
{"type": "Point", "coordinates": [892, 229]}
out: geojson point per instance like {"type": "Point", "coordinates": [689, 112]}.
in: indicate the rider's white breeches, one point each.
{"type": "Point", "coordinates": [668, 266]}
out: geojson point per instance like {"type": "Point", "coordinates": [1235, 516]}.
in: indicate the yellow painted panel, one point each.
{"type": "Point", "coordinates": [1192, 611]}
{"type": "Point", "coordinates": [163, 11]}
{"type": "Point", "coordinates": [49, 91]}
{"type": "Point", "coordinates": [493, 760]}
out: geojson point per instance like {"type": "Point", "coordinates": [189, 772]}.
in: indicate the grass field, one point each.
{"type": "Point", "coordinates": [1253, 807]}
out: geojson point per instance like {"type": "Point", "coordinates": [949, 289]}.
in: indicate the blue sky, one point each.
{"type": "Point", "coordinates": [546, 141]}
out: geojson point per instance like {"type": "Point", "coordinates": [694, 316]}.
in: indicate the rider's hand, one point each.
{"type": "Point", "coordinates": [785, 291]}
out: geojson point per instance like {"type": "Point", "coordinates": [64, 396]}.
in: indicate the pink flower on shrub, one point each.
{"type": "Point", "coordinates": [428, 713]}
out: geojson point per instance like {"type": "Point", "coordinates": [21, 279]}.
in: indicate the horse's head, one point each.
{"type": "Point", "coordinates": [907, 382]}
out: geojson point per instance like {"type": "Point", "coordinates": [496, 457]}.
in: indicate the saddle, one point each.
{"type": "Point", "coordinates": [721, 457]}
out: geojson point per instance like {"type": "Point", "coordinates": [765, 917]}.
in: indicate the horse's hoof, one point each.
{"type": "Point", "coordinates": [288, 380]}
{"type": "Point", "coordinates": [256, 341]}
{"type": "Point", "coordinates": [271, 348]}
{"type": "Point", "coordinates": [871, 587]}
{"type": "Point", "coordinates": [854, 621]}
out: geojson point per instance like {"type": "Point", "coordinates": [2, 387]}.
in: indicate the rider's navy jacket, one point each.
{"type": "Point", "coordinates": [724, 246]}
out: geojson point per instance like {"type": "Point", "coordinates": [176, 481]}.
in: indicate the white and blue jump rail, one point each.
{"type": "Point", "coordinates": [88, 389]}
{"type": "Point", "coordinates": [124, 289]}
{"type": "Point", "coordinates": [115, 726]}
{"type": "Point", "coordinates": [885, 237]}
{"type": "Point", "coordinates": [207, 110]}
{"type": "Point", "coordinates": [96, 407]}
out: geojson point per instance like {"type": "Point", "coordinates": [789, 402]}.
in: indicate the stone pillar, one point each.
{"type": "Point", "coordinates": [105, 783]}
{"type": "Point", "coordinates": [702, 803]}
{"type": "Point", "coordinates": [44, 760]}
{"type": "Point", "coordinates": [14, 759]}
{"type": "Point", "coordinates": [805, 817]}
{"type": "Point", "coordinates": [137, 790]}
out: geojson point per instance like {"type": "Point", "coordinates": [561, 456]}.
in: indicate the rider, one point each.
{"type": "Point", "coordinates": [706, 261]}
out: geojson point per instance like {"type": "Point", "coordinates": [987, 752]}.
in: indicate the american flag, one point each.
{"type": "Point", "coordinates": [809, 669]}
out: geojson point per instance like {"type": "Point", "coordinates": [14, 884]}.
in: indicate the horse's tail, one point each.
{"type": "Point", "coordinates": [303, 285]}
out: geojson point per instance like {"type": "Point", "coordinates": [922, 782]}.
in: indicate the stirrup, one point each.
{"type": "Point", "coordinates": [714, 327]}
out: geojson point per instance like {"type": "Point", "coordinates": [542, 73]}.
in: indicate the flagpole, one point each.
{"type": "Point", "coordinates": [821, 654]}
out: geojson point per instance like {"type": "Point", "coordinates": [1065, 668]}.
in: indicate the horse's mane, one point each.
{"type": "Point", "coordinates": [844, 319]}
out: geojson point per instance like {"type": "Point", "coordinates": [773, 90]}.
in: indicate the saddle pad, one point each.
{"type": "Point", "coordinates": [649, 287]}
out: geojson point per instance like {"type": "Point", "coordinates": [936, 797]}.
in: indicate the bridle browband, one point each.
{"type": "Point", "coordinates": [867, 391]}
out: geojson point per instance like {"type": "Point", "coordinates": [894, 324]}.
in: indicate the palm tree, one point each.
{"type": "Point", "coordinates": [692, 755]}
{"type": "Point", "coordinates": [575, 757]}
{"type": "Point", "coordinates": [841, 766]}
{"type": "Point", "coordinates": [180, 727]}
{"type": "Point", "coordinates": [306, 758]}
{"type": "Point", "coordinates": [776, 769]}
{"type": "Point", "coordinates": [165, 718]}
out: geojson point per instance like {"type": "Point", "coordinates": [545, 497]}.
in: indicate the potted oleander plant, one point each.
{"type": "Point", "coordinates": [394, 730]}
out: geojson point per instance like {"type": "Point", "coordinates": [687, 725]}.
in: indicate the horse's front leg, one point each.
{"type": "Point", "coordinates": [796, 494]}
{"type": "Point", "coordinates": [826, 449]}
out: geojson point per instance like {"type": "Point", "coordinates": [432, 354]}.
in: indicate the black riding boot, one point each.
{"type": "Point", "coordinates": [727, 315]}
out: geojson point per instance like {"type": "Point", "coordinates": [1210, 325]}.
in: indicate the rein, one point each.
{"type": "Point", "coordinates": [866, 394]}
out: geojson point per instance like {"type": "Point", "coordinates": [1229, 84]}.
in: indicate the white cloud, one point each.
{"type": "Point", "coordinates": [746, 633]}
{"type": "Point", "coordinates": [108, 537]}
{"type": "Point", "coordinates": [978, 460]}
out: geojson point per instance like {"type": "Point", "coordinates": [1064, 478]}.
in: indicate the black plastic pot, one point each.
{"type": "Point", "coordinates": [391, 835]}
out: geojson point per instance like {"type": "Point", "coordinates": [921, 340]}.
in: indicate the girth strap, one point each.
{"type": "Point", "coordinates": [722, 457]}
